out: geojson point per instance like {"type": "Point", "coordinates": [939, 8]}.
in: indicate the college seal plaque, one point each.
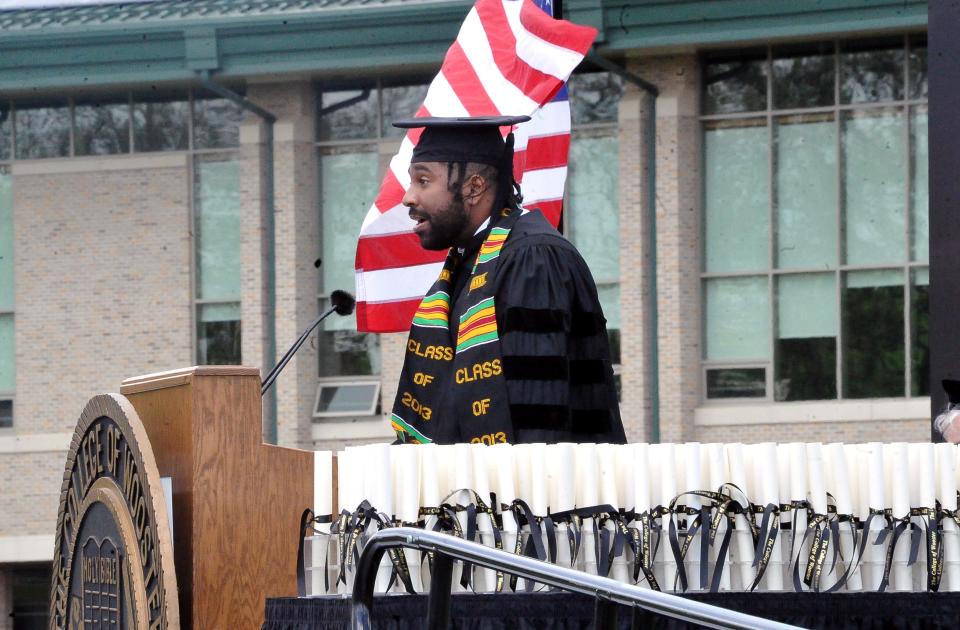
{"type": "Point", "coordinates": [113, 560]}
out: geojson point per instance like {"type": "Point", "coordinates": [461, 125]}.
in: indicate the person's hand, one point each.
{"type": "Point", "coordinates": [948, 424]}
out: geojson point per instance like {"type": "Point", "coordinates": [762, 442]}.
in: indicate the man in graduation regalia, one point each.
{"type": "Point", "coordinates": [510, 342]}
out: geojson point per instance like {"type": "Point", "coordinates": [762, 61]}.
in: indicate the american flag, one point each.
{"type": "Point", "coordinates": [510, 57]}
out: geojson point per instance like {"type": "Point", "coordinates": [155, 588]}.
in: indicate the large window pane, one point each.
{"type": "Point", "coordinates": [873, 343]}
{"type": "Point", "coordinates": [400, 102]}
{"type": "Point", "coordinates": [217, 218]}
{"type": "Point", "coordinates": [7, 354]}
{"type": "Point", "coordinates": [218, 334]}
{"type": "Point", "coordinates": [806, 337]}
{"type": "Point", "coordinates": [736, 383]}
{"type": "Point", "coordinates": [348, 185]}
{"type": "Point", "coordinates": [593, 222]}
{"type": "Point", "coordinates": [874, 171]}
{"type": "Point", "coordinates": [6, 124]}
{"type": "Point", "coordinates": [919, 333]}
{"type": "Point", "coordinates": [595, 97]}
{"type": "Point", "coordinates": [919, 195]}
{"type": "Point", "coordinates": [735, 85]}
{"type": "Point", "coordinates": [348, 115]}
{"type": "Point", "coordinates": [216, 123]}
{"type": "Point", "coordinates": [42, 131]}
{"type": "Point", "coordinates": [918, 67]}
{"type": "Point", "coordinates": [806, 215]}
{"type": "Point", "coordinates": [871, 72]}
{"type": "Point", "coordinates": [803, 76]}
{"type": "Point", "coordinates": [345, 352]}
{"type": "Point", "coordinates": [737, 196]}
{"type": "Point", "coordinates": [6, 242]}
{"type": "Point", "coordinates": [101, 128]}
{"type": "Point", "coordinates": [6, 416]}
{"type": "Point", "coordinates": [738, 319]}
{"type": "Point", "coordinates": [161, 124]}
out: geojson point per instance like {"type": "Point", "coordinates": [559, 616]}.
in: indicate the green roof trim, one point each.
{"type": "Point", "coordinates": [170, 12]}
{"type": "Point", "coordinates": [144, 43]}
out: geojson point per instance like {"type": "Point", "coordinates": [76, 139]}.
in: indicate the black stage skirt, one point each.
{"type": "Point", "coordinates": [567, 611]}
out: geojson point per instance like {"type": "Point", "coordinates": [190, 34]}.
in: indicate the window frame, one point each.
{"type": "Point", "coordinates": [906, 109]}
{"type": "Point", "coordinates": [341, 382]}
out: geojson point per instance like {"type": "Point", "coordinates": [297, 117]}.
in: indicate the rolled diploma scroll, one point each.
{"type": "Point", "coordinates": [767, 481]}
{"type": "Point", "coordinates": [714, 462]}
{"type": "Point", "coordinates": [898, 483]}
{"type": "Point", "coordinates": [818, 495]}
{"type": "Point", "coordinates": [923, 489]}
{"type": "Point", "coordinates": [562, 489]}
{"type": "Point", "coordinates": [539, 494]}
{"type": "Point", "coordinates": [349, 496]}
{"type": "Point", "coordinates": [486, 580]}
{"type": "Point", "coordinates": [668, 491]}
{"type": "Point", "coordinates": [586, 464]}
{"type": "Point", "coordinates": [798, 492]}
{"type": "Point", "coordinates": [405, 463]}
{"type": "Point", "coordinates": [502, 455]}
{"type": "Point", "coordinates": [607, 458]}
{"type": "Point", "coordinates": [947, 491]}
{"type": "Point", "coordinates": [872, 496]}
{"type": "Point", "coordinates": [785, 536]}
{"type": "Point", "coordinates": [322, 506]}
{"type": "Point", "coordinates": [378, 490]}
{"type": "Point", "coordinates": [639, 454]}
{"type": "Point", "coordinates": [689, 461]}
{"type": "Point", "coordinates": [837, 471]}
{"type": "Point", "coordinates": [623, 455]}
{"type": "Point", "coordinates": [430, 485]}
{"type": "Point", "coordinates": [742, 543]}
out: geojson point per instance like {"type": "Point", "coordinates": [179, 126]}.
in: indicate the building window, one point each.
{"type": "Point", "coordinates": [815, 262]}
{"type": "Point", "coordinates": [216, 206]}
{"type": "Point", "coordinates": [354, 122]}
{"type": "Point", "coordinates": [7, 354]}
{"type": "Point", "coordinates": [591, 217]}
{"type": "Point", "coordinates": [117, 123]}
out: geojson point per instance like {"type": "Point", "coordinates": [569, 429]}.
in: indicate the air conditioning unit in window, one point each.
{"type": "Point", "coordinates": [342, 399]}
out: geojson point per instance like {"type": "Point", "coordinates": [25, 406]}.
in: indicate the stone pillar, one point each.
{"type": "Point", "coordinates": [253, 206]}
{"type": "Point", "coordinates": [678, 202]}
{"type": "Point", "coordinates": [296, 247]}
{"type": "Point", "coordinates": [635, 265]}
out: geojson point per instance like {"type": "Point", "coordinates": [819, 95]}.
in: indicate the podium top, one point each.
{"type": "Point", "coordinates": [182, 376]}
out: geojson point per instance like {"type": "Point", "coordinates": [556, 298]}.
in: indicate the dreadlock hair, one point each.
{"type": "Point", "coordinates": [489, 173]}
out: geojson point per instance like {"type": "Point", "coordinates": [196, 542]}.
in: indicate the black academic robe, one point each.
{"type": "Point", "coordinates": [553, 339]}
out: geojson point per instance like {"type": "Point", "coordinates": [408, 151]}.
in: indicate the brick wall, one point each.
{"type": "Point", "coordinates": [297, 246]}
{"type": "Point", "coordinates": [849, 432]}
{"type": "Point", "coordinates": [31, 506]}
{"type": "Point", "coordinates": [635, 265]}
{"type": "Point", "coordinates": [678, 229]}
{"type": "Point", "coordinates": [103, 287]}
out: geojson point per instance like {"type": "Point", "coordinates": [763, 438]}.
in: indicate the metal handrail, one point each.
{"type": "Point", "coordinates": [607, 592]}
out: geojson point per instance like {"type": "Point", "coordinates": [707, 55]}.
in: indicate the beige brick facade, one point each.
{"type": "Point", "coordinates": [103, 286]}
{"type": "Point", "coordinates": [678, 189]}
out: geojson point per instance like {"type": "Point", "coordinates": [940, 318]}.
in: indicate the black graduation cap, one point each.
{"type": "Point", "coordinates": [475, 139]}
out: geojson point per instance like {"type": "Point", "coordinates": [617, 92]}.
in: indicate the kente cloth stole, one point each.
{"type": "Point", "coordinates": [454, 389]}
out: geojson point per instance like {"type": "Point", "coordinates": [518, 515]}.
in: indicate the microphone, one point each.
{"type": "Point", "coordinates": [343, 304]}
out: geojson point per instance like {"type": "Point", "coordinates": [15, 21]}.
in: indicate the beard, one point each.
{"type": "Point", "coordinates": [444, 227]}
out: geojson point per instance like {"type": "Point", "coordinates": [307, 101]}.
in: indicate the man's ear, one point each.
{"type": "Point", "coordinates": [474, 187]}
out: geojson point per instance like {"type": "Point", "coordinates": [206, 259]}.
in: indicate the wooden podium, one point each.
{"type": "Point", "coordinates": [236, 501]}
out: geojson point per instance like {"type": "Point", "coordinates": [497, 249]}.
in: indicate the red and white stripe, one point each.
{"type": "Point", "coordinates": [509, 58]}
